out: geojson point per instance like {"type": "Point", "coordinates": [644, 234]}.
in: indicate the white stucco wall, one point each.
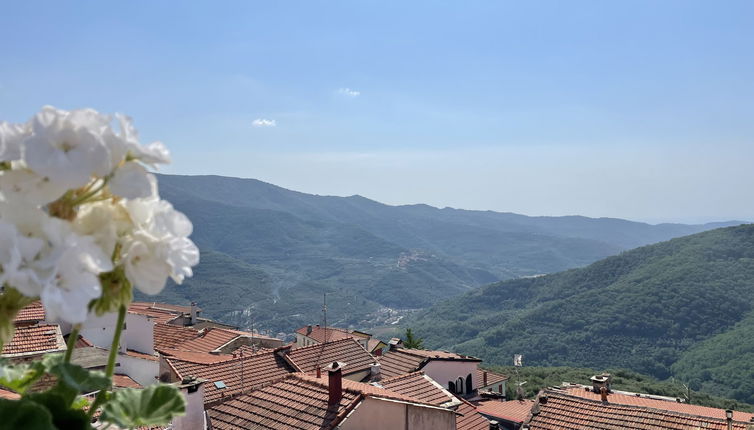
{"type": "Point", "coordinates": [194, 418]}
{"type": "Point", "coordinates": [444, 371]}
{"type": "Point", "coordinates": [379, 414]}
{"type": "Point", "coordinates": [143, 371]}
{"type": "Point", "coordinates": [138, 334]}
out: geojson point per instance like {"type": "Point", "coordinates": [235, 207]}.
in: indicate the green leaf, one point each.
{"type": "Point", "coordinates": [78, 380]}
{"type": "Point", "coordinates": [24, 414]}
{"type": "Point", "coordinates": [154, 405]}
{"type": "Point", "coordinates": [19, 377]}
{"type": "Point", "coordinates": [63, 417]}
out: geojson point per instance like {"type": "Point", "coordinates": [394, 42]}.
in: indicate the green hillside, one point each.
{"type": "Point", "coordinates": [680, 308]}
{"type": "Point", "coordinates": [269, 254]}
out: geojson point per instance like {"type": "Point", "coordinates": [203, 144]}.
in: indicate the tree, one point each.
{"type": "Point", "coordinates": [412, 341]}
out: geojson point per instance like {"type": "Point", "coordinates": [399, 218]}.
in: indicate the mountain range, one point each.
{"type": "Point", "coordinates": [269, 255]}
{"type": "Point", "coordinates": [680, 308]}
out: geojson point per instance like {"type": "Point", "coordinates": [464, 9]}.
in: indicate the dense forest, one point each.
{"type": "Point", "coordinates": [680, 308]}
{"type": "Point", "coordinates": [270, 254]}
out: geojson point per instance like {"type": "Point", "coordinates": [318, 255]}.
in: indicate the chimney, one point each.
{"type": "Point", "coordinates": [335, 383]}
{"type": "Point", "coordinates": [375, 371]}
{"type": "Point", "coordinates": [192, 390]}
{"type": "Point", "coordinates": [308, 329]}
{"type": "Point", "coordinates": [194, 310]}
{"type": "Point", "coordinates": [600, 381]}
{"type": "Point", "coordinates": [729, 419]}
{"type": "Point", "coordinates": [319, 372]}
{"type": "Point", "coordinates": [603, 394]}
{"type": "Point", "coordinates": [494, 425]}
{"type": "Point", "coordinates": [484, 378]}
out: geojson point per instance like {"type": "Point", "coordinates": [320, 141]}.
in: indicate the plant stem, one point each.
{"type": "Point", "coordinates": [110, 361]}
{"type": "Point", "coordinates": [86, 196]}
{"type": "Point", "coordinates": [72, 337]}
{"type": "Point", "coordinates": [116, 342]}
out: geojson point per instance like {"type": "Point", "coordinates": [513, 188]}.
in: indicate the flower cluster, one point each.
{"type": "Point", "coordinates": [81, 220]}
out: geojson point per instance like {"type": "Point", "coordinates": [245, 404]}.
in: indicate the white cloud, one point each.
{"type": "Point", "coordinates": [261, 122]}
{"type": "Point", "coordinates": [349, 92]}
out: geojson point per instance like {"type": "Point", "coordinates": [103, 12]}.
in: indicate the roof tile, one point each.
{"type": "Point", "coordinates": [35, 339]}
{"type": "Point", "coordinates": [347, 351]}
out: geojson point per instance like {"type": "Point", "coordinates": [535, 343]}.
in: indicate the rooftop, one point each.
{"type": "Point", "coordinates": [36, 339]}
{"type": "Point", "coordinates": [236, 374]}
{"type": "Point", "coordinates": [167, 336]}
{"type": "Point", "coordinates": [492, 377]}
{"type": "Point", "coordinates": [348, 351]}
{"type": "Point", "coordinates": [31, 313]}
{"type": "Point", "coordinates": [516, 411]}
{"type": "Point", "coordinates": [646, 400]}
{"type": "Point", "coordinates": [470, 418]}
{"type": "Point", "coordinates": [124, 381]}
{"type": "Point", "coordinates": [421, 387]}
{"type": "Point", "coordinates": [569, 412]}
{"type": "Point", "coordinates": [328, 334]}
{"type": "Point", "coordinates": [395, 363]}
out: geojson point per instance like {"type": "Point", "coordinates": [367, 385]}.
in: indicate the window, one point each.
{"type": "Point", "coordinates": [459, 385]}
{"type": "Point", "coordinates": [469, 385]}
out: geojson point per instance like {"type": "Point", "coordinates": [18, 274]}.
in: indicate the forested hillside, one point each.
{"type": "Point", "coordinates": [269, 254]}
{"type": "Point", "coordinates": [680, 308]}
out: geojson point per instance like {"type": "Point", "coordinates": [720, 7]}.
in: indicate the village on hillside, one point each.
{"type": "Point", "coordinates": [333, 378]}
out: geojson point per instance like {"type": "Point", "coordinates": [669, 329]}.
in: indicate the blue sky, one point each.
{"type": "Point", "coordinates": [641, 110]}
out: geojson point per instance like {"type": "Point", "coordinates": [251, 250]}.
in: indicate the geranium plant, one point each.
{"type": "Point", "coordinates": [81, 224]}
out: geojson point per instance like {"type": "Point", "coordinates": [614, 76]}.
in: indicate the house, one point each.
{"type": "Point", "coordinates": [301, 401]}
{"type": "Point", "coordinates": [423, 388]}
{"type": "Point", "coordinates": [456, 372]}
{"type": "Point", "coordinates": [557, 409]}
{"type": "Point", "coordinates": [313, 335]}
{"type": "Point", "coordinates": [359, 364]}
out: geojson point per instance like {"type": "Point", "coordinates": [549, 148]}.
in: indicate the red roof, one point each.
{"type": "Point", "coordinates": [492, 377]}
{"type": "Point", "coordinates": [137, 354]}
{"type": "Point", "coordinates": [167, 336]}
{"type": "Point", "coordinates": [566, 412]}
{"type": "Point", "coordinates": [419, 386]}
{"type": "Point", "coordinates": [396, 363]}
{"type": "Point", "coordinates": [125, 381]}
{"type": "Point", "coordinates": [210, 339]}
{"type": "Point", "coordinates": [196, 357]}
{"type": "Point", "coordinates": [643, 400]}
{"type": "Point", "coordinates": [296, 402]}
{"type": "Point", "coordinates": [328, 334]}
{"type": "Point", "coordinates": [161, 315]}
{"type": "Point", "coordinates": [236, 374]}
{"type": "Point", "coordinates": [437, 355]}
{"type": "Point", "coordinates": [36, 339]}
{"type": "Point", "coordinates": [470, 418]}
{"type": "Point", "coordinates": [33, 312]}
{"type": "Point", "coordinates": [164, 307]}
{"type": "Point", "coordinates": [347, 351]}
{"type": "Point", "coordinates": [10, 395]}
{"type": "Point", "coordinates": [516, 411]}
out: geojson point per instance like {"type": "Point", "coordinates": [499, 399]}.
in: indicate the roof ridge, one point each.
{"type": "Point", "coordinates": [639, 407]}
{"type": "Point", "coordinates": [404, 376]}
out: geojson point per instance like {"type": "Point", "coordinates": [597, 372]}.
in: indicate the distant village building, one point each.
{"type": "Point", "coordinates": [314, 334]}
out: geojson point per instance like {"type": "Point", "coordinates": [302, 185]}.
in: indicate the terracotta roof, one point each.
{"type": "Point", "coordinates": [419, 386]}
{"type": "Point", "coordinates": [251, 371]}
{"type": "Point", "coordinates": [296, 402]}
{"type": "Point", "coordinates": [33, 312]}
{"type": "Point", "coordinates": [329, 334]}
{"type": "Point", "coordinates": [437, 355]}
{"type": "Point", "coordinates": [82, 342]}
{"type": "Point", "coordinates": [137, 354]}
{"type": "Point", "coordinates": [644, 400]}
{"type": "Point", "coordinates": [36, 339]}
{"type": "Point", "coordinates": [396, 363]}
{"type": "Point", "coordinates": [164, 306]}
{"type": "Point", "coordinates": [470, 418]}
{"type": "Point", "coordinates": [196, 357]}
{"type": "Point", "coordinates": [347, 351]}
{"type": "Point", "coordinates": [10, 395]}
{"type": "Point", "coordinates": [292, 403]}
{"type": "Point", "coordinates": [373, 344]}
{"type": "Point", "coordinates": [124, 381]}
{"type": "Point", "coordinates": [168, 336]}
{"type": "Point", "coordinates": [210, 339]}
{"type": "Point", "coordinates": [567, 412]}
{"type": "Point", "coordinates": [162, 314]}
{"type": "Point", "coordinates": [492, 377]}
{"type": "Point", "coordinates": [516, 411]}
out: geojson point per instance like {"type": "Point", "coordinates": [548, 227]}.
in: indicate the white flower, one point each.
{"type": "Point", "coordinates": [105, 222]}
{"type": "Point", "coordinates": [159, 247]}
{"type": "Point", "coordinates": [75, 282]}
{"type": "Point", "coordinates": [131, 181]}
{"type": "Point", "coordinates": [152, 154]}
{"type": "Point", "coordinates": [11, 136]}
{"type": "Point", "coordinates": [67, 147]}
{"type": "Point", "coordinates": [23, 185]}
{"type": "Point", "coordinates": [15, 254]}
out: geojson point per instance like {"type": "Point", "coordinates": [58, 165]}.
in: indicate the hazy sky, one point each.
{"type": "Point", "coordinates": [640, 110]}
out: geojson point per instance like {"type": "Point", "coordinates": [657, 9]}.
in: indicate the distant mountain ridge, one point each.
{"type": "Point", "coordinates": [678, 308]}
{"type": "Point", "coordinates": [281, 250]}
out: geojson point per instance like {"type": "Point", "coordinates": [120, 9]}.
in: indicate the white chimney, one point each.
{"type": "Point", "coordinates": [194, 310]}
{"type": "Point", "coordinates": [194, 419]}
